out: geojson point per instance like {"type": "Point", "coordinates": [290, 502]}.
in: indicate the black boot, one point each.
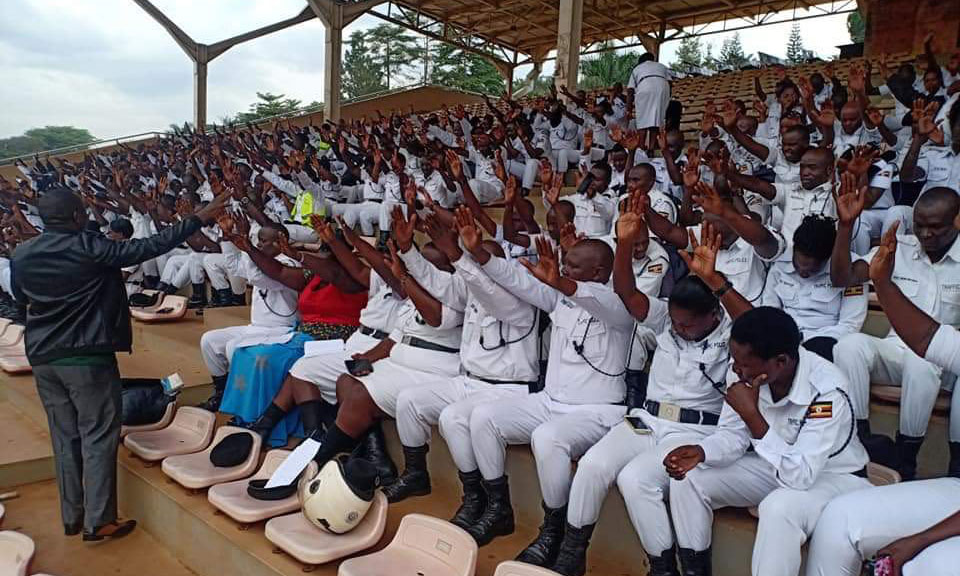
{"type": "Point", "coordinates": [333, 442]}
{"type": "Point", "coordinates": [311, 416]}
{"type": "Point", "coordinates": [373, 448]}
{"type": "Point", "coordinates": [497, 518]}
{"type": "Point", "coordinates": [382, 240]}
{"type": "Point", "coordinates": [880, 448]}
{"type": "Point", "coordinates": [664, 564]}
{"type": "Point", "coordinates": [150, 282]}
{"type": "Point", "coordinates": [198, 297]}
{"type": "Point", "coordinates": [415, 479]}
{"type": "Point", "coordinates": [907, 449]}
{"type": "Point", "coordinates": [543, 551]}
{"type": "Point", "coordinates": [213, 402]}
{"type": "Point", "coordinates": [572, 559]}
{"type": "Point", "coordinates": [167, 288]}
{"type": "Point", "coordinates": [265, 423]}
{"type": "Point", "coordinates": [238, 299]}
{"type": "Point", "coordinates": [954, 469]}
{"type": "Point", "coordinates": [696, 563]}
{"type": "Point", "coordinates": [474, 500]}
{"type": "Point", "coordinates": [221, 298]}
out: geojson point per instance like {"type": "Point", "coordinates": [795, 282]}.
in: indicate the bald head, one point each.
{"type": "Point", "coordinates": [589, 260]}
{"type": "Point", "coordinates": [940, 199]}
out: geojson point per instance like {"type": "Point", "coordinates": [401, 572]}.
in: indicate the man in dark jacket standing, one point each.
{"type": "Point", "coordinates": [77, 320]}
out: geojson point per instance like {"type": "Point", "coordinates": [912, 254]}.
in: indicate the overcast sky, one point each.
{"type": "Point", "coordinates": [106, 66]}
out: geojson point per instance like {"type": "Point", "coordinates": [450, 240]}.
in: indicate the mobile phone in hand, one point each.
{"type": "Point", "coordinates": [637, 425]}
{"type": "Point", "coordinates": [360, 367]}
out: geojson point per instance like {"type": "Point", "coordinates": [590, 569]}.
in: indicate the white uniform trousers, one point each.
{"type": "Point", "coordinates": [864, 358]}
{"type": "Point", "coordinates": [5, 276]}
{"type": "Point", "coordinates": [217, 346]}
{"type": "Point", "coordinates": [485, 191]}
{"type": "Point", "coordinates": [563, 158]}
{"type": "Point", "coordinates": [526, 170]}
{"type": "Point", "coordinates": [364, 214]}
{"type": "Point", "coordinates": [181, 269]}
{"type": "Point", "coordinates": [301, 233]}
{"type": "Point", "coordinates": [407, 368]}
{"type": "Point", "coordinates": [854, 526]}
{"type": "Point", "coordinates": [635, 462]}
{"type": "Point", "coordinates": [215, 265]}
{"type": "Point", "coordinates": [323, 370]}
{"type": "Point", "coordinates": [155, 266]}
{"type": "Point", "coordinates": [787, 516]}
{"type": "Point", "coordinates": [557, 433]}
{"type": "Point", "coordinates": [448, 404]}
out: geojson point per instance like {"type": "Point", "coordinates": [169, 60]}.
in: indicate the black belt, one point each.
{"type": "Point", "coordinates": [492, 381]}
{"type": "Point", "coordinates": [378, 334]}
{"type": "Point", "coordinates": [419, 343]}
{"type": "Point", "coordinates": [682, 415]}
{"type": "Point", "coordinates": [377, 200]}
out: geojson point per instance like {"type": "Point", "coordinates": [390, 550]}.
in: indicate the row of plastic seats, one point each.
{"type": "Point", "coordinates": [423, 545]}
{"type": "Point", "coordinates": [13, 355]}
{"type": "Point", "coordinates": [16, 551]}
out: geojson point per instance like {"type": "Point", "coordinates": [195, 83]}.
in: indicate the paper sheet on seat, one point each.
{"type": "Point", "coordinates": [295, 463]}
{"type": "Point", "coordinates": [320, 347]}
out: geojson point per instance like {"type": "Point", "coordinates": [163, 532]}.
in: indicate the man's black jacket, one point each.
{"type": "Point", "coordinates": [72, 285]}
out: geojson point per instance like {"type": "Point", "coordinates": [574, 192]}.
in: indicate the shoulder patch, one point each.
{"type": "Point", "coordinates": [820, 410]}
{"type": "Point", "coordinates": [854, 290]}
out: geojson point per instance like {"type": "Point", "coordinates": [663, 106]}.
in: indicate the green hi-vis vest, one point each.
{"type": "Point", "coordinates": [303, 208]}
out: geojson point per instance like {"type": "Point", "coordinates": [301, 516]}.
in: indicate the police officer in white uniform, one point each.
{"type": "Point", "coordinates": [584, 385]}
{"type": "Point", "coordinates": [916, 524]}
{"type": "Point", "coordinates": [802, 288]}
{"type": "Point", "coordinates": [928, 272]}
{"type": "Point", "coordinates": [682, 405]}
{"type": "Point", "coordinates": [498, 355]}
{"type": "Point", "coordinates": [593, 202]}
{"type": "Point", "coordinates": [792, 408]}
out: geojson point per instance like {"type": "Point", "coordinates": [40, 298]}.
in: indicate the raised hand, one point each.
{"type": "Point", "coordinates": [707, 197]}
{"type": "Point", "coordinates": [826, 116]}
{"type": "Point", "coordinates": [546, 174]}
{"type": "Point", "coordinates": [744, 397]}
{"type": "Point", "coordinates": [863, 157]}
{"type": "Point", "coordinates": [225, 222]}
{"type": "Point", "coordinates": [348, 233]}
{"type": "Point", "coordinates": [444, 238]}
{"type": "Point", "coordinates": [729, 114]}
{"type": "Point", "coordinates": [632, 140]}
{"type": "Point", "coordinates": [691, 171]}
{"type": "Point", "coordinates": [884, 259]}
{"type": "Point", "coordinates": [467, 229]}
{"type": "Point", "coordinates": [875, 116]}
{"type": "Point", "coordinates": [284, 244]}
{"type": "Point", "coordinates": [850, 199]}
{"type": "Point", "coordinates": [761, 109]}
{"type": "Point", "coordinates": [510, 191]}
{"type": "Point", "coordinates": [703, 261]}
{"type": "Point", "coordinates": [403, 228]}
{"type": "Point", "coordinates": [552, 192]}
{"type": "Point", "coordinates": [632, 224]}
{"type": "Point", "coordinates": [569, 236]}
{"type": "Point", "coordinates": [453, 161]}
{"type": "Point", "coordinates": [323, 228]}
{"type": "Point", "coordinates": [547, 268]}
{"type": "Point", "coordinates": [397, 267]}
{"type": "Point", "coordinates": [587, 139]}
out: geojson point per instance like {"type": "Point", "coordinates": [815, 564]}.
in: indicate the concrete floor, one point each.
{"type": "Point", "coordinates": [36, 513]}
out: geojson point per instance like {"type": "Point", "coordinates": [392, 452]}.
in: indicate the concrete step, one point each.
{"type": "Point", "coordinates": [25, 452]}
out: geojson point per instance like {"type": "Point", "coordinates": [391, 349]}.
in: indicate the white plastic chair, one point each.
{"type": "Point", "coordinates": [158, 425]}
{"type": "Point", "coordinates": [16, 552]}
{"type": "Point", "coordinates": [196, 471]}
{"type": "Point", "coordinates": [514, 568]}
{"type": "Point", "coordinates": [190, 431]}
{"type": "Point", "coordinates": [423, 546]}
{"type": "Point", "coordinates": [232, 499]}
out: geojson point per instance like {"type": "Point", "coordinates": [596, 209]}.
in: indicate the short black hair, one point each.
{"type": "Point", "coordinates": [691, 293]}
{"type": "Point", "coordinates": [58, 206]}
{"type": "Point", "coordinates": [123, 227]}
{"type": "Point", "coordinates": [768, 331]}
{"type": "Point", "coordinates": [815, 237]}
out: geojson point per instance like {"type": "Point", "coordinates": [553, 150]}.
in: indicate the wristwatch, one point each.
{"type": "Point", "coordinates": [719, 292]}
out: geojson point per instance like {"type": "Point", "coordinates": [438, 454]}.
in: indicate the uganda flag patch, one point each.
{"type": "Point", "coordinates": [854, 290]}
{"type": "Point", "coordinates": [655, 269]}
{"type": "Point", "coordinates": [820, 410]}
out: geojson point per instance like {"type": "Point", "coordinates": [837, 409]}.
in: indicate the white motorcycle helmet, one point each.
{"type": "Point", "coordinates": [338, 498]}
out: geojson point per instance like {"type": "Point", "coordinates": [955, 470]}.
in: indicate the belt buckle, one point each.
{"type": "Point", "coordinates": [669, 412]}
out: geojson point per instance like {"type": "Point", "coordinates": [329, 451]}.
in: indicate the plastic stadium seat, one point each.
{"type": "Point", "coordinates": [190, 431]}
{"type": "Point", "coordinates": [12, 335]}
{"type": "Point", "coordinates": [891, 394]}
{"type": "Point", "coordinates": [296, 536]}
{"type": "Point", "coordinates": [168, 308]}
{"type": "Point", "coordinates": [232, 499]}
{"type": "Point", "coordinates": [15, 364]}
{"type": "Point", "coordinates": [162, 423]}
{"type": "Point", "coordinates": [513, 568]}
{"type": "Point", "coordinates": [423, 546]}
{"type": "Point", "coordinates": [195, 471]}
{"type": "Point", "coordinates": [16, 552]}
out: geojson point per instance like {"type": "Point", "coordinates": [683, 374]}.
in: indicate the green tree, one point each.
{"type": "Point", "coordinates": [606, 68]}
{"type": "Point", "coordinates": [450, 66]}
{"type": "Point", "coordinates": [795, 51]}
{"type": "Point", "coordinates": [856, 27]}
{"type": "Point", "coordinates": [46, 138]}
{"type": "Point", "coordinates": [362, 73]}
{"type": "Point", "coordinates": [397, 52]}
{"type": "Point", "coordinates": [731, 53]}
{"type": "Point", "coordinates": [268, 105]}
{"type": "Point", "coordinates": [689, 55]}
{"type": "Point", "coordinates": [709, 62]}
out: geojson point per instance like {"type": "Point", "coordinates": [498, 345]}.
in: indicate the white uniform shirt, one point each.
{"type": "Point", "coordinates": [274, 304]}
{"type": "Point", "coordinates": [819, 308]}
{"type": "Point", "coordinates": [941, 165]}
{"type": "Point", "coordinates": [798, 203]}
{"type": "Point", "coordinates": [811, 429]}
{"type": "Point", "coordinates": [485, 171]}
{"type": "Point", "coordinates": [589, 337]}
{"type": "Point", "coordinates": [563, 136]}
{"type": "Point", "coordinates": [744, 268]}
{"type": "Point", "coordinates": [489, 314]}
{"type": "Point", "coordinates": [862, 136]}
{"type": "Point", "coordinates": [382, 307]}
{"type": "Point", "coordinates": [932, 287]}
{"type": "Point", "coordinates": [593, 216]}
